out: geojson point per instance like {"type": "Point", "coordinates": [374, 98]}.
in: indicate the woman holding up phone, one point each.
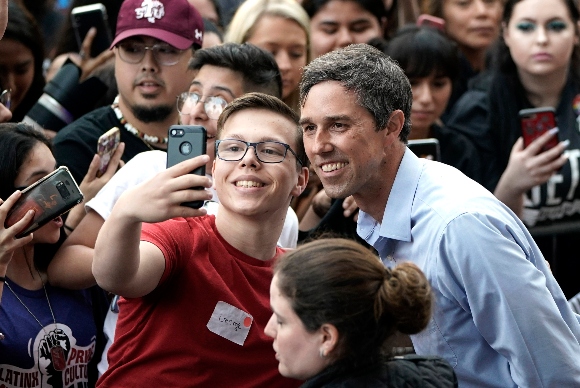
{"type": "Point", "coordinates": [41, 326]}
{"type": "Point", "coordinates": [537, 65]}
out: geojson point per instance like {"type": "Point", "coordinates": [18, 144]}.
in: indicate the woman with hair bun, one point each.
{"type": "Point", "coordinates": [335, 306]}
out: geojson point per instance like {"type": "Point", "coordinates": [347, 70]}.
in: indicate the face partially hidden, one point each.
{"type": "Point", "coordinates": [16, 69]}
{"type": "Point", "coordinates": [286, 40]}
{"type": "Point", "coordinates": [340, 23]}
{"type": "Point", "coordinates": [252, 188]}
{"type": "Point", "coordinates": [148, 84]}
{"type": "Point", "coordinates": [473, 24]}
{"type": "Point", "coordinates": [541, 36]}
{"type": "Point", "coordinates": [39, 163]}
{"type": "Point", "coordinates": [341, 142]}
{"type": "Point", "coordinates": [297, 350]}
{"type": "Point", "coordinates": [211, 81]}
{"type": "Point", "coordinates": [430, 97]}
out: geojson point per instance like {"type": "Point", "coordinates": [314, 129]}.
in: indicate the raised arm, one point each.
{"type": "Point", "coordinates": [124, 265]}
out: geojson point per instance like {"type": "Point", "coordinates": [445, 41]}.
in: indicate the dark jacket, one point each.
{"type": "Point", "coordinates": [405, 371]}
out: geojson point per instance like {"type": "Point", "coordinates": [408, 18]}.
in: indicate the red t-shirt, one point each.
{"type": "Point", "coordinates": [204, 323]}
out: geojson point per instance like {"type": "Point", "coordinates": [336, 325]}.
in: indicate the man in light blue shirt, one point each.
{"type": "Point", "coordinates": [500, 318]}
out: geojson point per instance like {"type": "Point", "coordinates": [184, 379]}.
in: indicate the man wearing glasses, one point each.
{"type": "Point", "coordinates": [222, 73]}
{"type": "Point", "coordinates": [196, 287]}
{"type": "Point", "coordinates": [153, 44]}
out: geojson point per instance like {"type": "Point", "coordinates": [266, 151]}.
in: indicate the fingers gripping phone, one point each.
{"type": "Point", "coordinates": [49, 197]}
{"type": "Point", "coordinates": [106, 147]}
{"type": "Point", "coordinates": [186, 142]}
{"type": "Point", "coordinates": [87, 16]}
{"type": "Point", "coordinates": [537, 121]}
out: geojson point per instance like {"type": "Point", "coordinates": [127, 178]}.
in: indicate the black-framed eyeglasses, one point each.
{"type": "Point", "coordinates": [213, 106]}
{"type": "Point", "coordinates": [134, 52]}
{"type": "Point", "coordinates": [6, 97]}
{"type": "Point", "coordinates": [233, 150]}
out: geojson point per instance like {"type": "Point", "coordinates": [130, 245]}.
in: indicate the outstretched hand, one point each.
{"type": "Point", "coordinates": [88, 63]}
{"type": "Point", "coordinates": [160, 198]}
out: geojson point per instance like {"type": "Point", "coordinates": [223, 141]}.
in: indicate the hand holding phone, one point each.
{"type": "Point", "coordinates": [87, 16]}
{"type": "Point", "coordinates": [537, 121]}
{"type": "Point", "coordinates": [186, 142]}
{"type": "Point", "coordinates": [106, 146]}
{"type": "Point", "coordinates": [431, 21]}
{"type": "Point", "coordinates": [49, 197]}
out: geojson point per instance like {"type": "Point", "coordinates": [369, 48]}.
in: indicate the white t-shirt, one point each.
{"type": "Point", "coordinates": [142, 167]}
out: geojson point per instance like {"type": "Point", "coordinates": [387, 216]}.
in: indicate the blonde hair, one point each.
{"type": "Point", "coordinates": [246, 18]}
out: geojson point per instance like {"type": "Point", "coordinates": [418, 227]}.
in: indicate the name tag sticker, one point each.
{"type": "Point", "coordinates": [230, 322]}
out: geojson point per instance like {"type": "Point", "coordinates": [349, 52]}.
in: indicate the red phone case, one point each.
{"type": "Point", "coordinates": [537, 121]}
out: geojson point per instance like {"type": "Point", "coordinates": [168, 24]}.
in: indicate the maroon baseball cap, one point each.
{"type": "Point", "coordinates": [176, 22]}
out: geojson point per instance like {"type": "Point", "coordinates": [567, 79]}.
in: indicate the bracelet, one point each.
{"type": "Point", "coordinates": [2, 279]}
{"type": "Point", "coordinates": [68, 227]}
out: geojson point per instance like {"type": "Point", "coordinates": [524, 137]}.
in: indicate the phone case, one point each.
{"type": "Point", "coordinates": [87, 16]}
{"type": "Point", "coordinates": [431, 21]}
{"type": "Point", "coordinates": [425, 148]}
{"type": "Point", "coordinates": [49, 197]}
{"type": "Point", "coordinates": [537, 121]}
{"type": "Point", "coordinates": [186, 142]}
{"type": "Point", "coordinates": [106, 146]}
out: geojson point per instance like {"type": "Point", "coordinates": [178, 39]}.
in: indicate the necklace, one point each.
{"type": "Point", "coordinates": [143, 136]}
{"type": "Point", "coordinates": [56, 351]}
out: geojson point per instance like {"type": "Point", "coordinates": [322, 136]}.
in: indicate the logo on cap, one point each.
{"type": "Point", "coordinates": [150, 9]}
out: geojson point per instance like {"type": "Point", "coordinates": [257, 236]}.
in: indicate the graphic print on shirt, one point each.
{"type": "Point", "coordinates": [58, 361]}
{"type": "Point", "coordinates": [230, 322]}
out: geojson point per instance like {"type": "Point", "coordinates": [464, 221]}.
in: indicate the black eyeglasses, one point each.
{"type": "Point", "coordinates": [5, 98]}
{"type": "Point", "coordinates": [233, 150]}
{"type": "Point", "coordinates": [134, 52]}
{"type": "Point", "coordinates": [213, 106]}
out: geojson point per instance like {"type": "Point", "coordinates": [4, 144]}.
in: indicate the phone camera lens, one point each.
{"type": "Point", "coordinates": [185, 148]}
{"type": "Point", "coordinates": [62, 190]}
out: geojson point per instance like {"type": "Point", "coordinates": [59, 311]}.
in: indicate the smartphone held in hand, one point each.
{"type": "Point", "coordinates": [106, 147]}
{"type": "Point", "coordinates": [537, 121]}
{"type": "Point", "coordinates": [49, 197]}
{"type": "Point", "coordinates": [87, 16]}
{"type": "Point", "coordinates": [186, 142]}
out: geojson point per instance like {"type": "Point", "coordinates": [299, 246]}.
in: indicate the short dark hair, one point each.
{"type": "Point", "coordinates": [16, 142]}
{"type": "Point", "coordinates": [379, 83]}
{"type": "Point", "coordinates": [422, 51]}
{"type": "Point", "coordinates": [258, 67]}
{"type": "Point", "coordinates": [270, 103]}
{"type": "Point", "coordinates": [338, 281]}
{"type": "Point", "coordinates": [375, 7]}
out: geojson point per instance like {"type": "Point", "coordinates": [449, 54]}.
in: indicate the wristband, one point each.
{"type": "Point", "coordinates": [68, 227]}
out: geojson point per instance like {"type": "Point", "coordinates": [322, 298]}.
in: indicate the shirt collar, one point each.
{"type": "Point", "coordinates": [396, 223]}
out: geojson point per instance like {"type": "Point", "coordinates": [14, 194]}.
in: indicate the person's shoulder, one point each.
{"type": "Point", "coordinates": [91, 125]}
{"type": "Point", "coordinates": [418, 371]}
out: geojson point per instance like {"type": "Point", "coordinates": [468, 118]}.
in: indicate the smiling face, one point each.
{"type": "Point", "coordinates": [287, 42]}
{"type": "Point", "coordinates": [39, 163]}
{"type": "Point", "coordinates": [430, 97]}
{"type": "Point", "coordinates": [340, 139]}
{"type": "Point", "coordinates": [252, 188]}
{"type": "Point", "coordinates": [473, 24]}
{"type": "Point", "coordinates": [340, 23]}
{"type": "Point", "coordinates": [541, 36]}
{"type": "Point", "coordinates": [148, 84]}
{"type": "Point", "coordinates": [211, 81]}
{"type": "Point", "coordinates": [297, 350]}
{"type": "Point", "coordinates": [16, 69]}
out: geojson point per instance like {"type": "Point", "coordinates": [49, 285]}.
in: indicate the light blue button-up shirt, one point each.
{"type": "Point", "coordinates": [499, 318]}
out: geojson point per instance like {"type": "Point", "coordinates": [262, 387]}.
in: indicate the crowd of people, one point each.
{"type": "Point", "coordinates": [327, 253]}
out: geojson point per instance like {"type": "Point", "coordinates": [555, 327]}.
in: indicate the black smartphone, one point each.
{"type": "Point", "coordinates": [49, 197]}
{"type": "Point", "coordinates": [87, 16]}
{"type": "Point", "coordinates": [537, 121]}
{"type": "Point", "coordinates": [425, 148]}
{"type": "Point", "coordinates": [186, 142]}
